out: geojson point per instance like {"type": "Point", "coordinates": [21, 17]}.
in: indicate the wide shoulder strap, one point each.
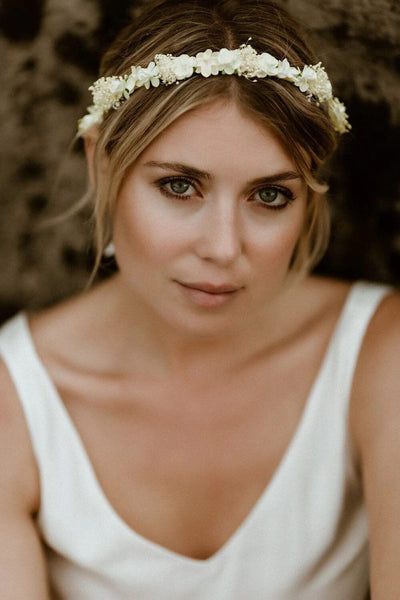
{"type": "Point", "coordinates": [17, 352]}
{"type": "Point", "coordinates": [33, 386]}
{"type": "Point", "coordinates": [361, 304]}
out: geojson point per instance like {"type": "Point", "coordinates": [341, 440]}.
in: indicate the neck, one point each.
{"type": "Point", "coordinates": [137, 333]}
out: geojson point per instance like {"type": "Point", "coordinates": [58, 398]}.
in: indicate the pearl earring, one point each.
{"type": "Point", "coordinates": [109, 250]}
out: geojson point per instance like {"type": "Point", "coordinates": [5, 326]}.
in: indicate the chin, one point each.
{"type": "Point", "coordinates": [205, 326]}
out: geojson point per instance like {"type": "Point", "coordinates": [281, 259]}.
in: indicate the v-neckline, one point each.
{"type": "Point", "coordinates": [268, 490]}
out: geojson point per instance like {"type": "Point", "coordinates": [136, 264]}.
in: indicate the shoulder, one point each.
{"type": "Point", "coordinates": [23, 573]}
{"type": "Point", "coordinates": [19, 478]}
{"type": "Point", "coordinates": [375, 429]}
{"type": "Point", "coordinates": [74, 318]}
{"type": "Point", "coordinates": [376, 387]}
{"type": "Point", "coordinates": [73, 334]}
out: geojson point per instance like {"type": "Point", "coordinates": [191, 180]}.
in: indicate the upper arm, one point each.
{"type": "Point", "coordinates": [22, 566]}
{"type": "Point", "coordinates": [375, 426]}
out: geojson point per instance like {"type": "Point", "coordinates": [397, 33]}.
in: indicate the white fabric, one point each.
{"type": "Point", "coordinates": [305, 539]}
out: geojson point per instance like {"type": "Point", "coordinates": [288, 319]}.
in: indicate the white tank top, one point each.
{"type": "Point", "coordinates": [306, 537]}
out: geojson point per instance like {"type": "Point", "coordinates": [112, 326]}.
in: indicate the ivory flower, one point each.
{"type": "Point", "coordinates": [268, 64]}
{"type": "Point", "coordinates": [107, 92]}
{"type": "Point", "coordinates": [93, 117]}
{"type": "Point", "coordinates": [320, 87]}
{"type": "Point", "coordinates": [207, 63]}
{"type": "Point", "coordinates": [338, 115]}
{"type": "Point", "coordinates": [184, 66]}
{"type": "Point", "coordinates": [312, 80]}
{"type": "Point", "coordinates": [148, 76]}
{"type": "Point", "coordinates": [229, 60]}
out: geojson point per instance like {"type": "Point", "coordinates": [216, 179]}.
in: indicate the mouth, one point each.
{"type": "Point", "coordinates": [210, 288]}
{"type": "Point", "coordinates": [209, 295]}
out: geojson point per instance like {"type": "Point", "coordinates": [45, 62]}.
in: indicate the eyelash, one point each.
{"type": "Point", "coordinates": [162, 183]}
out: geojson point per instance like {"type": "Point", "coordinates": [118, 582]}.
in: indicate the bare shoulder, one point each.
{"type": "Point", "coordinates": [22, 563]}
{"type": "Point", "coordinates": [69, 329]}
{"type": "Point", "coordinates": [383, 334]}
{"type": "Point", "coordinates": [18, 469]}
{"type": "Point", "coordinates": [376, 389]}
{"type": "Point", "coordinates": [375, 428]}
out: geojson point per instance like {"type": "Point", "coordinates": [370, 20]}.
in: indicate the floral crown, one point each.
{"type": "Point", "coordinates": [109, 92]}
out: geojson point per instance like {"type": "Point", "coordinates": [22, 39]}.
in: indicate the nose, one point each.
{"type": "Point", "coordinates": [220, 237]}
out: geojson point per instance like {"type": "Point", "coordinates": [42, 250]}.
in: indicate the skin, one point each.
{"type": "Point", "coordinates": [217, 231]}
{"type": "Point", "coordinates": [186, 385]}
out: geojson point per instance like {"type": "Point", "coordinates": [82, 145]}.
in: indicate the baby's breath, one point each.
{"type": "Point", "coordinates": [312, 80]}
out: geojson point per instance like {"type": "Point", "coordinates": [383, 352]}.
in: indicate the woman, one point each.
{"type": "Point", "coordinates": [211, 422]}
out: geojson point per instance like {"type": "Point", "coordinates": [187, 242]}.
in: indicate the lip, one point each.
{"type": "Point", "coordinates": [211, 288]}
{"type": "Point", "coordinates": [209, 295]}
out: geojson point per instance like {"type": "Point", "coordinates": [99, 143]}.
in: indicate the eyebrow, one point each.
{"type": "Point", "coordinates": [197, 173]}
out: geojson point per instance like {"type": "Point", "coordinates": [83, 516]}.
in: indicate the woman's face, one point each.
{"type": "Point", "coordinates": [207, 220]}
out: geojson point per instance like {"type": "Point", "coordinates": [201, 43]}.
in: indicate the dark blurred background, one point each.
{"type": "Point", "coordinates": [50, 51]}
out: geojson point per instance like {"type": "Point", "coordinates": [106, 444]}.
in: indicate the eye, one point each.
{"type": "Point", "coordinates": [177, 187]}
{"type": "Point", "coordinates": [274, 197]}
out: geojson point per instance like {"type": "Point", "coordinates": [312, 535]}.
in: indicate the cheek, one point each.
{"type": "Point", "coordinates": [275, 245]}
{"type": "Point", "coordinates": [142, 230]}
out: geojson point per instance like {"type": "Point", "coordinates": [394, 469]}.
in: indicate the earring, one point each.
{"type": "Point", "coordinates": [109, 250]}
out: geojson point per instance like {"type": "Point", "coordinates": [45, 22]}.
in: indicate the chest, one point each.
{"type": "Point", "coordinates": [198, 504]}
{"type": "Point", "coordinates": [195, 458]}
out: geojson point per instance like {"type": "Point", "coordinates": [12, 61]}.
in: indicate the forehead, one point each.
{"type": "Point", "coordinates": [220, 136]}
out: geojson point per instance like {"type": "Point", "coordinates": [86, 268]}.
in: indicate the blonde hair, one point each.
{"type": "Point", "coordinates": [190, 27]}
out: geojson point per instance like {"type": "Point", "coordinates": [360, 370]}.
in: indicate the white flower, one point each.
{"type": "Point", "coordinates": [307, 76]}
{"type": "Point", "coordinates": [184, 66]}
{"type": "Point", "coordinates": [207, 63]}
{"type": "Point", "coordinates": [148, 76]}
{"type": "Point", "coordinates": [165, 64]}
{"type": "Point", "coordinates": [93, 117]}
{"type": "Point", "coordinates": [130, 82]}
{"type": "Point", "coordinates": [248, 63]}
{"type": "Point", "coordinates": [320, 87]}
{"type": "Point", "coordinates": [229, 60]}
{"type": "Point", "coordinates": [107, 92]}
{"type": "Point", "coordinates": [338, 115]}
{"type": "Point", "coordinates": [268, 64]}
{"type": "Point", "coordinates": [116, 86]}
{"type": "Point", "coordinates": [285, 71]}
